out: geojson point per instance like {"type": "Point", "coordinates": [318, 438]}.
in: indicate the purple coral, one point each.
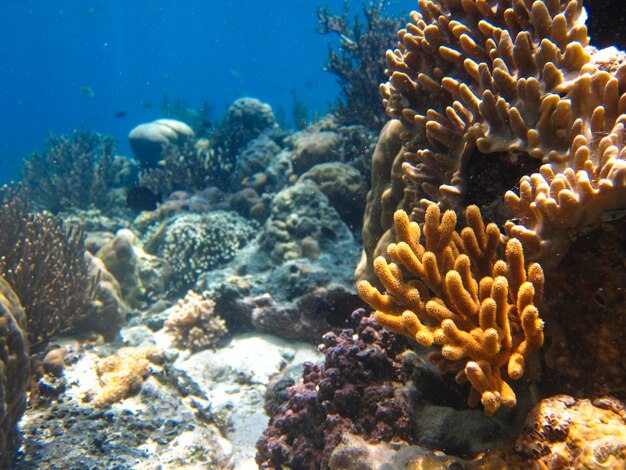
{"type": "Point", "coordinates": [356, 390]}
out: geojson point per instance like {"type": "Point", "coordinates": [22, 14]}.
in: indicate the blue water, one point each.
{"type": "Point", "coordinates": [66, 64]}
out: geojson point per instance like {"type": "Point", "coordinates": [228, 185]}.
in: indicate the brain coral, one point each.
{"type": "Point", "coordinates": [14, 369]}
{"type": "Point", "coordinates": [197, 243]}
{"type": "Point", "coordinates": [512, 81]}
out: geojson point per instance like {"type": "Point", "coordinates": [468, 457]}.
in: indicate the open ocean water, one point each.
{"type": "Point", "coordinates": [107, 66]}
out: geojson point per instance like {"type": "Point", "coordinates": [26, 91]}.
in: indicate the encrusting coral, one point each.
{"type": "Point", "coordinates": [567, 432]}
{"type": "Point", "coordinates": [514, 80]}
{"type": "Point", "coordinates": [194, 324]}
{"type": "Point", "coordinates": [122, 374]}
{"type": "Point", "coordinates": [451, 290]}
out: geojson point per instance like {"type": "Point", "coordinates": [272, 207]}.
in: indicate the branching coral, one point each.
{"type": "Point", "coordinates": [194, 324]}
{"type": "Point", "coordinates": [513, 79]}
{"type": "Point", "coordinates": [359, 65]}
{"type": "Point", "coordinates": [75, 171]}
{"type": "Point", "coordinates": [45, 264]}
{"type": "Point", "coordinates": [450, 289]}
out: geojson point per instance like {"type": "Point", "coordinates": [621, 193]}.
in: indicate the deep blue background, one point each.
{"type": "Point", "coordinates": [132, 52]}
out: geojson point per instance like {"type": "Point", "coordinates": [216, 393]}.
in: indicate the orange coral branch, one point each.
{"type": "Point", "coordinates": [481, 311]}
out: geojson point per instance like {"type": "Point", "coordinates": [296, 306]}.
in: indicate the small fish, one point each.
{"type": "Point", "coordinates": [141, 198]}
{"type": "Point", "coordinates": [87, 90]}
{"type": "Point", "coordinates": [255, 181]}
{"type": "Point", "coordinates": [147, 105]}
{"type": "Point", "coordinates": [120, 114]}
{"type": "Point", "coordinates": [349, 42]}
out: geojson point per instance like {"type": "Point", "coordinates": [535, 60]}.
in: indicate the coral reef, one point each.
{"type": "Point", "coordinates": [256, 159]}
{"type": "Point", "coordinates": [183, 166]}
{"type": "Point", "coordinates": [197, 243]}
{"type": "Point", "coordinates": [193, 165]}
{"type": "Point", "coordinates": [481, 310]}
{"type": "Point", "coordinates": [122, 374]}
{"type": "Point", "coordinates": [194, 324]}
{"type": "Point", "coordinates": [344, 187]}
{"type": "Point", "coordinates": [45, 264]}
{"type": "Point", "coordinates": [313, 312]}
{"type": "Point", "coordinates": [311, 149]}
{"type": "Point", "coordinates": [247, 119]}
{"type": "Point", "coordinates": [14, 370]}
{"type": "Point", "coordinates": [76, 171]}
{"type": "Point", "coordinates": [387, 191]}
{"type": "Point", "coordinates": [107, 310]}
{"type": "Point", "coordinates": [359, 64]}
{"type": "Point", "coordinates": [354, 453]}
{"type": "Point", "coordinates": [196, 117]}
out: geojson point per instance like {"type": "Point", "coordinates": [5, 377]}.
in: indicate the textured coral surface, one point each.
{"type": "Point", "coordinates": [194, 324]}
{"type": "Point", "coordinates": [564, 432]}
{"type": "Point", "coordinates": [123, 374]}
{"type": "Point", "coordinates": [510, 82]}
{"type": "Point", "coordinates": [352, 392]}
{"type": "Point", "coordinates": [14, 370]}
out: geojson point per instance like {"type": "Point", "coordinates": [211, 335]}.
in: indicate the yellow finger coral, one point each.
{"type": "Point", "coordinates": [450, 289]}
